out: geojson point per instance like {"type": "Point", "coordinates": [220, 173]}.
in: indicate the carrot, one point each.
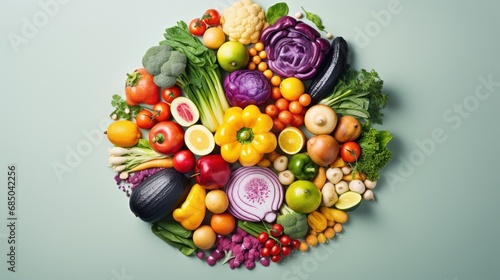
{"type": "Point", "coordinates": [320, 179]}
{"type": "Point", "coordinates": [154, 163]}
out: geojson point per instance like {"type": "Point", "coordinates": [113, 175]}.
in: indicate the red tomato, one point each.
{"type": "Point", "coordinates": [161, 111]}
{"type": "Point", "coordinates": [263, 236]}
{"type": "Point", "coordinates": [286, 251]}
{"type": "Point", "coordinates": [166, 137]}
{"type": "Point", "coordinates": [275, 250]}
{"type": "Point", "coordinates": [276, 230]}
{"type": "Point", "coordinates": [295, 244]}
{"type": "Point", "coordinates": [269, 243]}
{"type": "Point", "coordinates": [211, 17]}
{"type": "Point", "coordinates": [145, 119]}
{"type": "Point", "coordinates": [265, 252]}
{"type": "Point", "coordinates": [350, 151]}
{"type": "Point", "coordinates": [197, 27]}
{"type": "Point", "coordinates": [285, 240]}
{"type": "Point", "coordinates": [168, 94]}
{"type": "Point", "coordinates": [184, 161]}
{"type": "Point", "coordinates": [276, 258]}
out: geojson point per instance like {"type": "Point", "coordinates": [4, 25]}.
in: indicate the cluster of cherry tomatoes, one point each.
{"type": "Point", "coordinates": [285, 112]}
{"type": "Point", "coordinates": [148, 117]}
{"type": "Point", "coordinates": [198, 26]}
{"type": "Point", "coordinates": [277, 245]}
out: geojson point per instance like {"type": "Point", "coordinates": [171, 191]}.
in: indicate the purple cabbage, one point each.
{"type": "Point", "coordinates": [294, 48]}
{"type": "Point", "coordinates": [246, 87]}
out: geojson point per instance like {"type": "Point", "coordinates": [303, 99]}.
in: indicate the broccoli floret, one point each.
{"type": "Point", "coordinates": [294, 223]}
{"type": "Point", "coordinates": [165, 64]}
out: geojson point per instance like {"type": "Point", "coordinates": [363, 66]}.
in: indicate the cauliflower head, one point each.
{"type": "Point", "coordinates": [243, 21]}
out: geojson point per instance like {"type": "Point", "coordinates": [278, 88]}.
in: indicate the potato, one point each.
{"type": "Point", "coordinates": [329, 194]}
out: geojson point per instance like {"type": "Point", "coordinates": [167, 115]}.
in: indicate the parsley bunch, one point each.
{"type": "Point", "coordinates": [122, 110]}
{"type": "Point", "coordinates": [375, 153]}
{"type": "Point", "coordinates": [359, 93]}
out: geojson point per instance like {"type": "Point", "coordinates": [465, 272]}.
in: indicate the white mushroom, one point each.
{"type": "Point", "coordinates": [370, 184]}
{"type": "Point", "coordinates": [341, 187]}
{"type": "Point", "coordinates": [334, 174]}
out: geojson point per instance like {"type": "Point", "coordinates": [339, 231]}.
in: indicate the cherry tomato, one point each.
{"type": "Point", "coordinates": [285, 240]}
{"type": "Point", "coordinates": [265, 252]}
{"type": "Point", "coordinates": [286, 251]}
{"type": "Point", "coordinates": [168, 94]}
{"type": "Point", "coordinates": [298, 120]}
{"type": "Point", "coordinates": [276, 258]}
{"type": "Point", "coordinates": [275, 250]}
{"type": "Point", "coordinates": [197, 27]}
{"type": "Point", "coordinates": [350, 151]}
{"type": "Point", "coordinates": [211, 17]}
{"type": "Point", "coordinates": [278, 125]}
{"type": "Point", "coordinates": [276, 230]}
{"type": "Point", "coordinates": [263, 237]}
{"type": "Point", "coordinates": [295, 244]}
{"type": "Point", "coordinates": [295, 107]}
{"type": "Point", "coordinates": [161, 111]}
{"type": "Point", "coordinates": [269, 243]}
{"type": "Point", "coordinates": [282, 104]}
{"type": "Point", "coordinates": [145, 119]}
{"type": "Point", "coordinates": [285, 117]}
{"type": "Point", "coordinates": [272, 110]}
{"type": "Point", "coordinates": [184, 161]}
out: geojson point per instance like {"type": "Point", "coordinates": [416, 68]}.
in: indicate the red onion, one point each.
{"type": "Point", "coordinates": [254, 193]}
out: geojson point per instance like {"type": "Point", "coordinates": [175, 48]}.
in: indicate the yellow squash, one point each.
{"type": "Point", "coordinates": [192, 212]}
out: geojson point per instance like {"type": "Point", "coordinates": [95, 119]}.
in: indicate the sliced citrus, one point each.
{"type": "Point", "coordinates": [348, 201]}
{"type": "Point", "coordinates": [291, 140]}
{"type": "Point", "coordinates": [291, 88]}
{"type": "Point", "coordinates": [199, 140]}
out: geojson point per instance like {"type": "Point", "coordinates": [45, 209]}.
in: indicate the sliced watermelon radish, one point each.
{"type": "Point", "coordinates": [184, 111]}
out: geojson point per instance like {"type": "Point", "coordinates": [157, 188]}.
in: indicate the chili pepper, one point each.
{"type": "Point", "coordinates": [245, 135]}
{"type": "Point", "coordinates": [192, 212]}
{"type": "Point", "coordinates": [302, 167]}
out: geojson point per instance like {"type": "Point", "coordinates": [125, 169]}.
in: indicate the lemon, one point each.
{"type": "Point", "coordinates": [213, 38]}
{"type": "Point", "coordinates": [123, 133]}
{"type": "Point", "coordinates": [291, 140]}
{"type": "Point", "coordinates": [291, 88]}
{"type": "Point", "coordinates": [199, 140]}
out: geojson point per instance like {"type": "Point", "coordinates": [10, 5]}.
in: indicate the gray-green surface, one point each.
{"type": "Point", "coordinates": [435, 215]}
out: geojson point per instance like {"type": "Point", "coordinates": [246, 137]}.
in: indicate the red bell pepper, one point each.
{"type": "Point", "coordinates": [141, 88]}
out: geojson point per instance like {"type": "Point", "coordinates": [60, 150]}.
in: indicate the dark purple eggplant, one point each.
{"type": "Point", "coordinates": [331, 69]}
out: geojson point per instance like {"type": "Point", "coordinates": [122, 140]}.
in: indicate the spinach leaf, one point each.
{"type": "Point", "coordinates": [314, 18]}
{"type": "Point", "coordinates": [186, 246]}
{"type": "Point", "coordinates": [276, 11]}
{"type": "Point", "coordinates": [175, 228]}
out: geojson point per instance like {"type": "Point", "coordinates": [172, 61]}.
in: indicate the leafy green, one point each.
{"type": "Point", "coordinates": [121, 107]}
{"type": "Point", "coordinates": [174, 236]}
{"type": "Point", "coordinates": [374, 151]}
{"type": "Point", "coordinates": [359, 94]}
{"type": "Point", "coordinates": [314, 18]}
{"type": "Point", "coordinates": [276, 11]}
{"type": "Point", "coordinates": [201, 80]}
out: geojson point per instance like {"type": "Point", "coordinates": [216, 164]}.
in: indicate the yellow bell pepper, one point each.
{"type": "Point", "coordinates": [245, 135]}
{"type": "Point", "coordinates": [192, 212]}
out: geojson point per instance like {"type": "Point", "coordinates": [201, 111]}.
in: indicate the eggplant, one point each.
{"type": "Point", "coordinates": [331, 69]}
{"type": "Point", "coordinates": [158, 195]}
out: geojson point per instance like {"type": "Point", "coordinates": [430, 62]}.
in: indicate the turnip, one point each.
{"type": "Point", "coordinates": [334, 174]}
{"type": "Point", "coordinates": [320, 119]}
{"type": "Point", "coordinates": [341, 187]}
{"type": "Point", "coordinates": [357, 186]}
{"type": "Point", "coordinates": [370, 184]}
{"type": "Point", "coordinates": [369, 195]}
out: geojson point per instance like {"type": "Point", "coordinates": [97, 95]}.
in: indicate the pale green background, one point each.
{"type": "Point", "coordinates": [441, 222]}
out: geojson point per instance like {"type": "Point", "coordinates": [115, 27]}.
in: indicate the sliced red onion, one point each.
{"type": "Point", "coordinates": [254, 193]}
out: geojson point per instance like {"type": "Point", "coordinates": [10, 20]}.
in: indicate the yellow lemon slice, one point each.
{"type": "Point", "coordinates": [291, 140]}
{"type": "Point", "coordinates": [199, 140]}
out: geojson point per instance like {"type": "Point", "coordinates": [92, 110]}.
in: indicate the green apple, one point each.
{"type": "Point", "coordinates": [232, 56]}
{"type": "Point", "coordinates": [303, 196]}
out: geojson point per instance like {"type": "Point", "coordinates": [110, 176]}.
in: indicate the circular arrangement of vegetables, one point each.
{"type": "Point", "coordinates": [246, 135]}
